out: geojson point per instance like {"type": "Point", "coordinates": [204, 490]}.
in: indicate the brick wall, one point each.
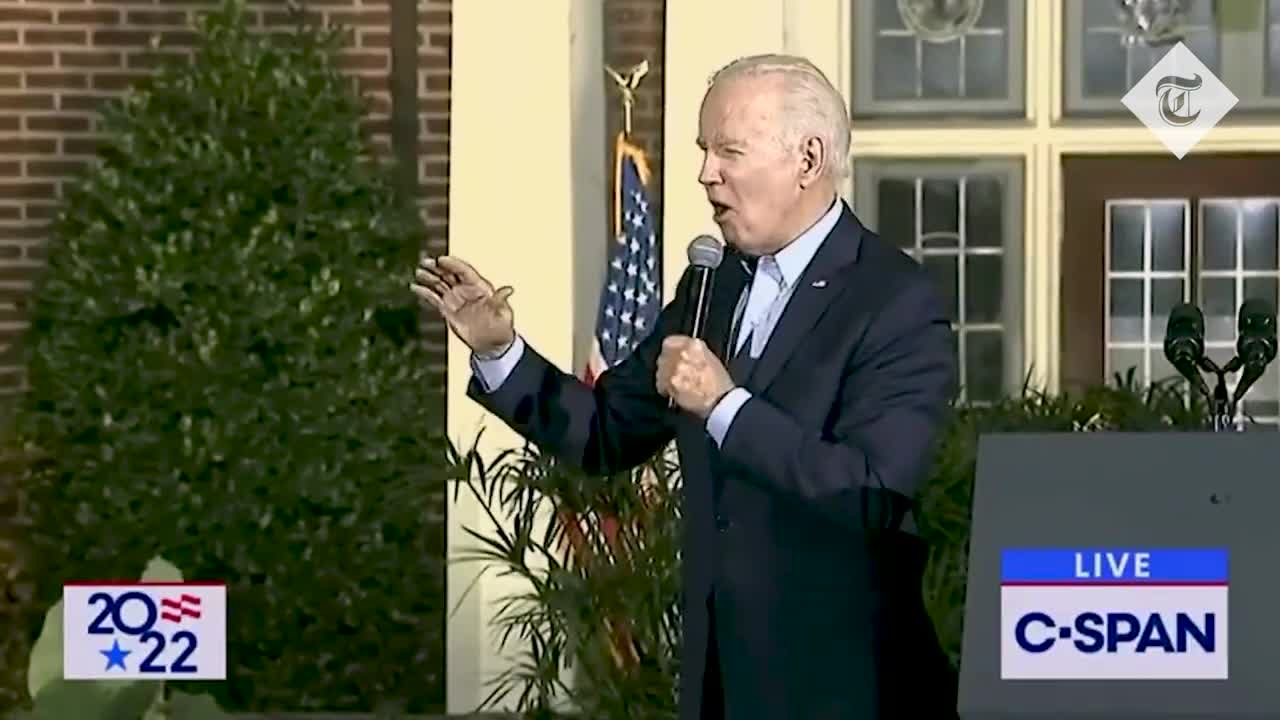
{"type": "Point", "coordinates": [60, 58]}
{"type": "Point", "coordinates": [634, 32]}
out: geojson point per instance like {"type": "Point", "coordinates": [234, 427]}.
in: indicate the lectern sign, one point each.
{"type": "Point", "coordinates": [1113, 614]}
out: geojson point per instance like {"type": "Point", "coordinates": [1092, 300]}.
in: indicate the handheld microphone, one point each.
{"type": "Point", "coordinates": [1184, 343]}
{"type": "Point", "coordinates": [705, 255]}
{"type": "Point", "coordinates": [1256, 342]}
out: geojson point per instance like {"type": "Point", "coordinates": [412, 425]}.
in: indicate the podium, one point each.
{"type": "Point", "coordinates": [1061, 521]}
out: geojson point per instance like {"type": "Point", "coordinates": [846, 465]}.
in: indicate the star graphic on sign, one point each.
{"type": "Point", "coordinates": [115, 656]}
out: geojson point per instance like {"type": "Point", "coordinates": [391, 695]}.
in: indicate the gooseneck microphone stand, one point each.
{"type": "Point", "coordinates": [1222, 405]}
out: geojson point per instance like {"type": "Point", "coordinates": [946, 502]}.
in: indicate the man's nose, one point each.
{"type": "Point", "coordinates": [710, 173]}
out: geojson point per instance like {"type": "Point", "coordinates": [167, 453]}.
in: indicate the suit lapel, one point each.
{"type": "Point", "coordinates": [833, 268]}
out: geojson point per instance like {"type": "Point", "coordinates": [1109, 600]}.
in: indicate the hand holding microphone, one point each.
{"type": "Point", "coordinates": [689, 374]}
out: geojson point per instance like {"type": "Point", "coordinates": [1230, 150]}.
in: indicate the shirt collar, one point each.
{"type": "Point", "coordinates": [795, 257]}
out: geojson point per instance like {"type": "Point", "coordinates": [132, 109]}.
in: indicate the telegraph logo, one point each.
{"type": "Point", "coordinates": [122, 631]}
{"type": "Point", "coordinates": [1113, 614]}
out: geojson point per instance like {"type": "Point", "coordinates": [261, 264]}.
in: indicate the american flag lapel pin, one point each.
{"type": "Point", "coordinates": [819, 283]}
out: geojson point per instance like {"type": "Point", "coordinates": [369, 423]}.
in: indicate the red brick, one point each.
{"type": "Point", "coordinates": [26, 101]}
{"type": "Point", "coordinates": [41, 36]}
{"type": "Point", "coordinates": [148, 18]}
{"type": "Point", "coordinates": [89, 59]}
{"type": "Point", "coordinates": [26, 190]}
{"type": "Point", "coordinates": [58, 123]}
{"type": "Point", "coordinates": [25, 58]}
{"type": "Point", "coordinates": [56, 168]}
{"type": "Point", "coordinates": [10, 14]}
{"type": "Point", "coordinates": [89, 16]}
{"type": "Point", "coordinates": [27, 146]}
{"type": "Point", "coordinates": [57, 81]}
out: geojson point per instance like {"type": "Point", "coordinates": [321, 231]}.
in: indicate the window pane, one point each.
{"type": "Point", "coordinates": [940, 67]}
{"type": "Point", "coordinates": [1126, 313]}
{"type": "Point", "coordinates": [1262, 400]}
{"type": "Point", "coordinates": [896, 74]}
{"type": "Point", "coordinates": [983, 365]}
{"type": "Point", "coordinates": [1168, 237]}
{"type": "Point", "coordinates": [1165, 293]}
{"type": "Point", "coordinates": [941, 199]}
{"type": "Point", "coordinates": [925, 57]}
{"type": "Point", "coordinates": [1260, 288]}
{"type": "Point", "coordinates": [1122, 360]}
{"type": "Point", "coordinates": [1218, 237]}
{"type": "Point", "coordinates": [1106, 52]}
{"type": "Point", "coordinates": [897, 211]}
{"type": "Point", "coordinates": [1128, 229]}
{"type": "Point", "coordinates": [1218, 302]}
{"type": "Point", "coordinates": [983, 212]}
{"type": "Point", "coordinates": [1258, 229]}
{"type": "Point", "coordinates": [945, 271]}
{"type": "Point", "coordinates": [983, 282]}
{"type": "Point", "coordinates": [961, 220]}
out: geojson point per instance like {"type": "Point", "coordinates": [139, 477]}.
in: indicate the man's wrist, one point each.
{"type": "Point", "coordinates": [497, 353]}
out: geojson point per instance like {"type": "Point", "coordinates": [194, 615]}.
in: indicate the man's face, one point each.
{"type": "Point", "coordinates": [752, 180]}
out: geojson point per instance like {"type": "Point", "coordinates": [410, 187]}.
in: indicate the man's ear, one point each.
{"type": "Point", "coordinates": [813, 160]}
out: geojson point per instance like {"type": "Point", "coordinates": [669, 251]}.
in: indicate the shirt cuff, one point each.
{"type": "Point", "coordinates": [721, 417]}
{"type": "Point", "coordinates": [492, 372]}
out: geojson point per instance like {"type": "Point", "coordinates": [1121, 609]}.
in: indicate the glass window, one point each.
{"type": "Point", "coordinates": [1107, 52]}
{"type": "Point", "coordinates": [1157, 258]}
{"type": "Point", "coordinates": [913, 57]}
{"type": "Point", "coordinates": [963, 222]}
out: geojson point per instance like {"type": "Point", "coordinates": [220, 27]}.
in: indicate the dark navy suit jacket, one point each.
{"type": "Point", "coordinates": [818, 612]}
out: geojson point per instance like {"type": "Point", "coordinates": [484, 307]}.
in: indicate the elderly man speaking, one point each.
{"type": "Point", "coordinates": [805, 421]}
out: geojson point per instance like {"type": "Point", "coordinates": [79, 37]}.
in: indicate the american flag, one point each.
{"type": "Point", "coordinates": [632, 294]}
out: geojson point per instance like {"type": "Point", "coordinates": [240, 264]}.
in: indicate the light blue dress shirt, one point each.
{"type": "Point", "coordinates": [758, 312]}
{"type": "Point", "coordinates": [764, 304]}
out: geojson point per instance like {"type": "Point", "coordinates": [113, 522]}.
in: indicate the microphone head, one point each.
{"type": "Point", "coordinates": [706, 252]}
{"type": "Point", "coordinates": [1184, 336]}
{"type": "Point", "coordinates": [1256, 332]}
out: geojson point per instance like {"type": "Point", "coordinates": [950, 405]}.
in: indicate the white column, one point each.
{"type": "Point", "coordinates": [527, 207]}
{"type": "Point", "coordinates": [702, 36]}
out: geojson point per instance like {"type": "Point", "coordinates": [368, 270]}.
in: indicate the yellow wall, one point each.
{"type": "Point", "coordinates": [527, 207]}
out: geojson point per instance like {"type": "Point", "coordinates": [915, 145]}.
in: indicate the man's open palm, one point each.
{"type": "Point", "coordinates": [480, 316]}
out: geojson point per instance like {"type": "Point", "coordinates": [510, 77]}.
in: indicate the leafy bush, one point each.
{"type": "Point", "coordinates": [225, 366]}
{"type": "Point", "coordinates": [608, 610]}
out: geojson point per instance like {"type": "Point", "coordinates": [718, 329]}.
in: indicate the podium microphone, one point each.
{"type": "Point", "coordinates": [1184, 344]}
{"type": "Point", "coordinates": [705, 255]}
{"type": "Point", "coordinates": [1255, 344]}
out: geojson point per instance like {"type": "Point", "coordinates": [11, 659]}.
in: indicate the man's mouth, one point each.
{"type": "Point", "coordinates": [718, 210]}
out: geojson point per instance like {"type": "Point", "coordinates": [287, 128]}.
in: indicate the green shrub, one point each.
{"type": "Point", "coordinates": [226, 368]}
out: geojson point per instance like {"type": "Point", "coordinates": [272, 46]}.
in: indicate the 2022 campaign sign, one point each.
{"type": "Point", "coordinates": [121, 631]}
{"type": "Point", "coordinates": [1113, 614]}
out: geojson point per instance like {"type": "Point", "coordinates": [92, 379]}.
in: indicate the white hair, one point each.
{"type": "Point", "coordinates": [811, 104]}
